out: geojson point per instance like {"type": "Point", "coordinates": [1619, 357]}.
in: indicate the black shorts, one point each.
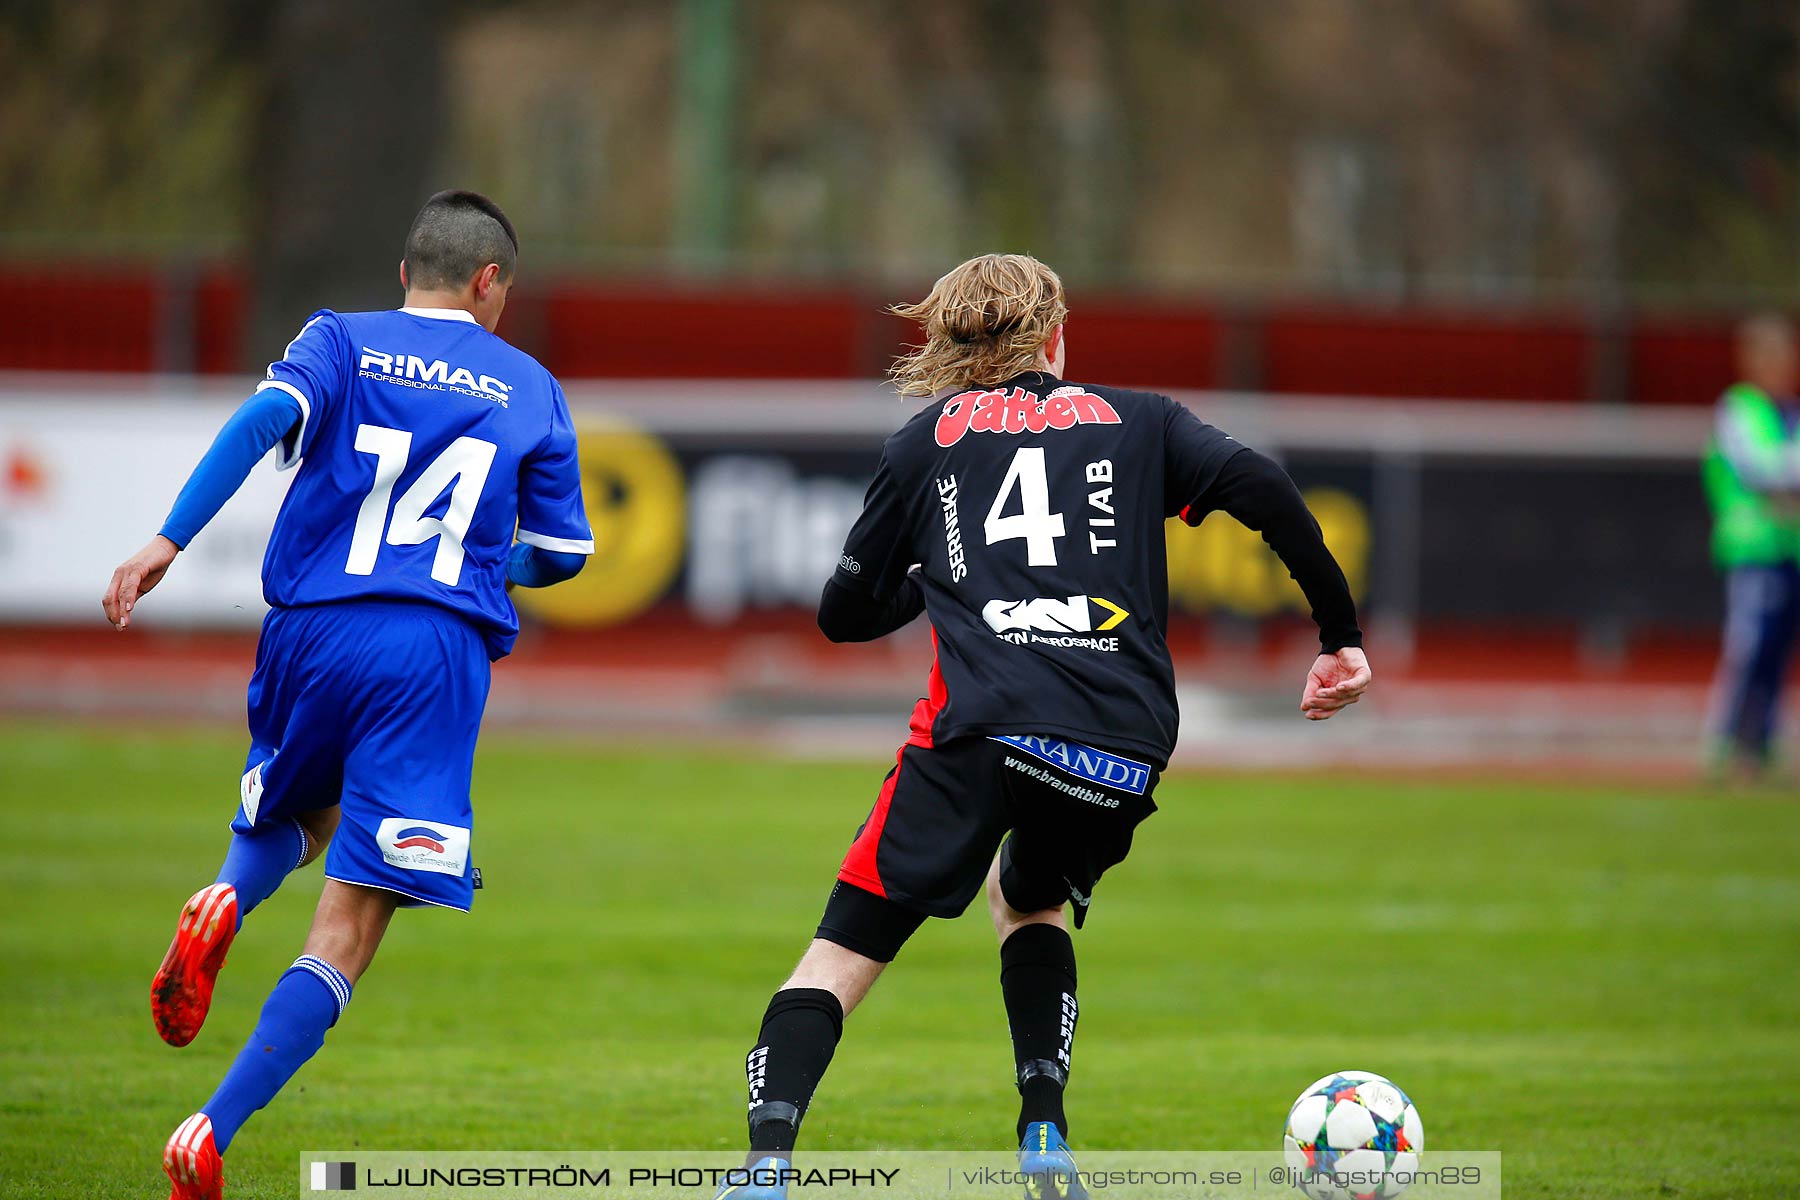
{"type": "Point", "coordinates": [943, 811]}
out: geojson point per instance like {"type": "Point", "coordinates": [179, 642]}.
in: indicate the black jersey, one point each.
{"type": "Point", "coordinates": [1035, 513]}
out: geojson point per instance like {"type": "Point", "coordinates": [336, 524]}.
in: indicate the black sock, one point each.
{"type": "Point", "coordinates": [1037, 979]}
{"type": "Point", "coordinates": [800, 1032]}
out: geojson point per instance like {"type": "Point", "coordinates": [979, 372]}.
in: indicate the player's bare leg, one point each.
{"type": "Point", "coordinates": [348, 926]}
{"type": "Point", "coordinates": [830, 967]}
{"type": "Point", "coordinates": [803, 1023]}
{"type": "Point", "coordinates": [1037, 981]}
{"type": "Point", "coordinates": [320, 824]}
{"type": "Point", "coordinates": [307, 1001]}
{"type": "Point", "coordinates": [799, 1034]}
{"type": "Point", "coordinates": [1009, 920]}
{"type": "Point", "coordinates": [181, 991]}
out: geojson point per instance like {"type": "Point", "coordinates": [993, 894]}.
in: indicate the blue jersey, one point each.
{"type": "Point", "coordinates": [423, 441]}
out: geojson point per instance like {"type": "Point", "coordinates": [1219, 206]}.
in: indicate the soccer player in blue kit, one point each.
{"type": "Point", "coordinates": [420, 442]}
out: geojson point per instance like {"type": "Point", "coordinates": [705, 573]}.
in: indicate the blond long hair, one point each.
{"type": "Point", "coordinates": [985, 322]}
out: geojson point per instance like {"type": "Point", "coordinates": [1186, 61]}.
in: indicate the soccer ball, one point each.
{"type": "Point", "coordinates": [1353, 1135]}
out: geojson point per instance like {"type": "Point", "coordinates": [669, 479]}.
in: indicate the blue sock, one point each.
{"type": "Point", "coordinates": [257, 862]}
{"type": "Point", "coordinates": [308, 999]}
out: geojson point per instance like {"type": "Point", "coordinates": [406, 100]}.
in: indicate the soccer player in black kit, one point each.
{"type": "Point", "coordinates": [1024, 516]}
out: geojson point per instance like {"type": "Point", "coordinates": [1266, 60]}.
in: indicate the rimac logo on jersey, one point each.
{"type": "Point", "coordinates": [1048, 615]}
{"type": "Point", "coordinates": [1020, 411]}
{"type": "Point", "coordinates": [409, 370]}
{"type": "Point", "coordinates": [417, 845]}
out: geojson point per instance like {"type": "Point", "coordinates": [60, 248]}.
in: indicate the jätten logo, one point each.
{"type": "Point", "coordinates": [1020, 411]}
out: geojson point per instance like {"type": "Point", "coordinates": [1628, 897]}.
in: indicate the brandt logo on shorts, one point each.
{"type": "Point", "coordinates": [1085, 762]}
{"type": "Point", "coordinates": [416, 845]}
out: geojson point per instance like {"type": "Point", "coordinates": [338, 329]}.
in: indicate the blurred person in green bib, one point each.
{"type": "Point", "coordinates": [1752, 478]}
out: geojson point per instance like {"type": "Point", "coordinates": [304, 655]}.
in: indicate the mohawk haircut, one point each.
{"type": "Point", "coordinates": [456, 234]}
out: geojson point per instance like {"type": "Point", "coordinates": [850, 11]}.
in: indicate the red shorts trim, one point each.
{"type": "Point", "coordinates": [859, 866]}
{"type": "Point", "coordinates": [925, 712]}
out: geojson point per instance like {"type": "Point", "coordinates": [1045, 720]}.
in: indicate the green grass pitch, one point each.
{"type": "Point", "coordinates": [1599, 981]}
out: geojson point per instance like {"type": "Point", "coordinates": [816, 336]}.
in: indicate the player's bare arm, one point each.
{"type": "Point", "coordinates": [1258, 494]}
{"type": "Point", "coordinates": [268, 417]}
{"type": "Point", "coordinates": [135, 576]}
{"type": "Point", "coordinates": [1335, 681]}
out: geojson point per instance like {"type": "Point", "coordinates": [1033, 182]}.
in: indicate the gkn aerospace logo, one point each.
{"type": "Point", "coordinates": [409, 370]}
{"type": "Point", "coordinates": [1046, 621]}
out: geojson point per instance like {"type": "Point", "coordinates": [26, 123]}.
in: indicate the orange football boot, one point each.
{"type": "Point", "coordinates": [182, 990]}
{"type": "Point", "coordinates": [193, 1162]}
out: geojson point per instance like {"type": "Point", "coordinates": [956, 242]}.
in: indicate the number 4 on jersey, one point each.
{"type": "Point", "coordinates": [465, 461]}
{"type": "Point", "coordinates": [1034, 521]}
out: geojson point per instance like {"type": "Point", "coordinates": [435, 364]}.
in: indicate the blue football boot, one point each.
{"type": "Point", "coordinates": [752, 1190]}
{"type": "Point", "coordinates": [1048, 1165]}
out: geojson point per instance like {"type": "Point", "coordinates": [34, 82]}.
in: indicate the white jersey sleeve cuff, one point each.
{"type": "Point", "coordinates": [561, 545]}
{"type": "Point", "coordinates": [284, 458]}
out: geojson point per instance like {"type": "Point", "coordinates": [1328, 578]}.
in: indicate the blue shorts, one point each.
{"type": "Point", "coordinates": [375, 705]}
